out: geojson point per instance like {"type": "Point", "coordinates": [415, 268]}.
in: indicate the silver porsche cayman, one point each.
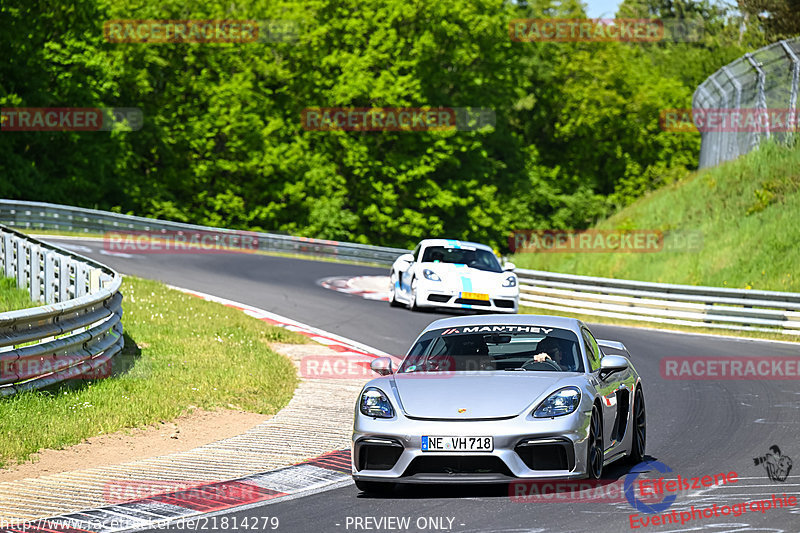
{"type": "Point", "coordinates": [496, 398]}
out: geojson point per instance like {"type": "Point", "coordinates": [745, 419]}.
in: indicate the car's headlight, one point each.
{"type": "Point", "coordinates": [561, 402]}
{"type": "Point", "coordinates": [375, 403]}
{"type": "Point", "coordinates": [431, 275]}
{"type": "Point", "coordinates": [510, 281]}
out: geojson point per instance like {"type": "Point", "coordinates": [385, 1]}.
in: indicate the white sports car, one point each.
{"type": "Point", "coordinates": [455, 274]}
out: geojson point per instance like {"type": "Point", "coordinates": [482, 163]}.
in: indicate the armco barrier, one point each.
{"type": "Point", "coordinates": [78, 330]}
{"type": "Point", "coordinates": [686, 305]}
{"type": "Point", "coordinates": [40, 216]}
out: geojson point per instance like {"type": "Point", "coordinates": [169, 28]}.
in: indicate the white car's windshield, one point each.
{"type": "Point", "coordinates": [480, 259]}
{"type": "Point", "coordinates": [495, 348]}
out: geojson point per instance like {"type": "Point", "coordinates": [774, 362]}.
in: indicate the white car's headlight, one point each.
{"type": "Point", "coordinates": [561, 402]}
{"type": "Point", "coordinates": [431, 275]}
{"type": "Point", "coordinates": [374, 402]}
{"type": "Point", "coordinates": [510, 281]}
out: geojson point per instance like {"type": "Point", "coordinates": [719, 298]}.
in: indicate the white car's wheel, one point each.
{"type": "Point", "coordinates": [413, 302]}
{"type": "Point", "coordinates": [392, 299]}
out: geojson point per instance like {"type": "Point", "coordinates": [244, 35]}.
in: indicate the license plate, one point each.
{"type": "Point", "coordinates": [475, 296]}
{"type": "Point", "coordinates": [457, 444]}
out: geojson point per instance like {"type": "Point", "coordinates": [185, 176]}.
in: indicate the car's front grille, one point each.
{"type": "Point", "coordinates": [441, 298]}
{"type": "Point", "coordinates": [547, 454]}
{"type": "Point", "coordinates": [472, 302]}
{"type": "Point", "coordinates": [377, 453]}
{"type": "Point", "coordinates": [460, 464]}
{"type": "Point", "coordinates": [506, 304]}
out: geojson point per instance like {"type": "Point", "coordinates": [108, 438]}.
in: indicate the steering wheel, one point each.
{"type": "Point", "coordinates": [548, 365]}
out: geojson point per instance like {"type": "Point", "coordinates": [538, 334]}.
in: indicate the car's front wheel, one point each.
{"type": "Point", "coordinates": [594, 454]}
{"type": "Point", "coordinates": [413, 302]}
{"type": "Point", "coordinates": [374, 487]}
{"type": "Point", "coordinates": [639, 429]}
{"type": "Point", "coordinates": [392, 299]}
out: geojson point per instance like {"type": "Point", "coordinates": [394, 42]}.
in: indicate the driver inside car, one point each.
{"type": "Point", "coordinates": [552, 349]}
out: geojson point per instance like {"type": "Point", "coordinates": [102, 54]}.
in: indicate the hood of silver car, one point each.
{"type": "Point", "coordinates": [460, 395]}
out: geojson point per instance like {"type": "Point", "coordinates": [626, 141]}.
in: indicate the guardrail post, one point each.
{"type": "Point", "coordinates": [35, 273]}
{"type": "Point", "coordinates": [62, 288]}
{"type": "Point", "coordinates": [50, 277]}
{"type": "Point", "coordinates": [10, 263]}
{"type": "Point", "coordinates": [22, 261]}
{"type": "Point", "coordinates": [94, 279]}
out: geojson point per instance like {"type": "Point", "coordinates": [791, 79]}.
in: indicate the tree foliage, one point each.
{"type": "Point", "coordinates": [576, 135]}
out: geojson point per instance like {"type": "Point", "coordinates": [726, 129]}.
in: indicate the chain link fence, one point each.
{"type": "Point", "coordinates": [764, 84]}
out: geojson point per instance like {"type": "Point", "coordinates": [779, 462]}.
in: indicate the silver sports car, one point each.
{"type": "Point", "coordinates": [495, 398]}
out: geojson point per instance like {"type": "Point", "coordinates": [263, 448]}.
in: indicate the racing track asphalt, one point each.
{"type": "Point", "coordinates": [695, 427]}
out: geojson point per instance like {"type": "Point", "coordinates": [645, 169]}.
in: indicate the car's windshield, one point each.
{"type": "Point", "coordinates": [480, 259]}
{"type": "Point", "coordinates": [495, 348]}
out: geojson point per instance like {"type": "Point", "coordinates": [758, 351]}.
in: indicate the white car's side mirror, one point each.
{"type": "Point", "coordinates": [382, 366]}
{"type": "Point", "coordinates": [404, 261]}
{"type": "Point", "coordinates": [509, 267]}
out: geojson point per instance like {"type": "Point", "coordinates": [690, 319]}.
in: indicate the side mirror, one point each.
{"type": "Point", "coordinates": [382, 366]}
{"type": "Point", "coordinates": [509, 267]}
{"type": "Point", "coordinates": [405, 261]}
{"type": "Point", "coordinates": [610, 364]}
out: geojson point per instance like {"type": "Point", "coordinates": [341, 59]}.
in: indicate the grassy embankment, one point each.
{"type": "Point", "coordinates": [747, 210]}
{"type": "Point", "coordinates": [181, 353]}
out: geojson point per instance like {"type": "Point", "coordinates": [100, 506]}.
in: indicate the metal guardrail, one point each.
{"type": "Point", "coordinates": [768, 78]}
{"type": "Point", "coordinates": [75, 334]}
{"type": "Point", "coordinates": [686, 305]}
{"type": "Point", "coordinates": [43, 216]}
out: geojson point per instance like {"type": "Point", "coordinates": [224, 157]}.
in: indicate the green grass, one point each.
{"type": "Point", "coordinates": [181, 353]}
{"type": "Point", "coordinates": [12, 298]}
{"type": "Point", "coordinates": [748, 211]}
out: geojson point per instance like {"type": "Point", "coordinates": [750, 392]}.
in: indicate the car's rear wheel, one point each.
{"type": "Point", "coordinates": [374, 487]}
{"type": "Point", "coordinates": [639, 428]}
{"type": "Point", "coordinates": [594, 454]}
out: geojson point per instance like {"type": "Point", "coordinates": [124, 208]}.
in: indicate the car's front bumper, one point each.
{"type": "Point", "coordinates": [524, 448]}
{"type": "Point", "coordinates": [436, 295]}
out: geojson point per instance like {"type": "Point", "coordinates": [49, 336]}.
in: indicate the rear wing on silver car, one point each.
{"type": "Point", "coordinates": [613, 345]}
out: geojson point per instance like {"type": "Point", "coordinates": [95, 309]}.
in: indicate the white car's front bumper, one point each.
{"type": "Point", "coordinates": [437, 294]}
